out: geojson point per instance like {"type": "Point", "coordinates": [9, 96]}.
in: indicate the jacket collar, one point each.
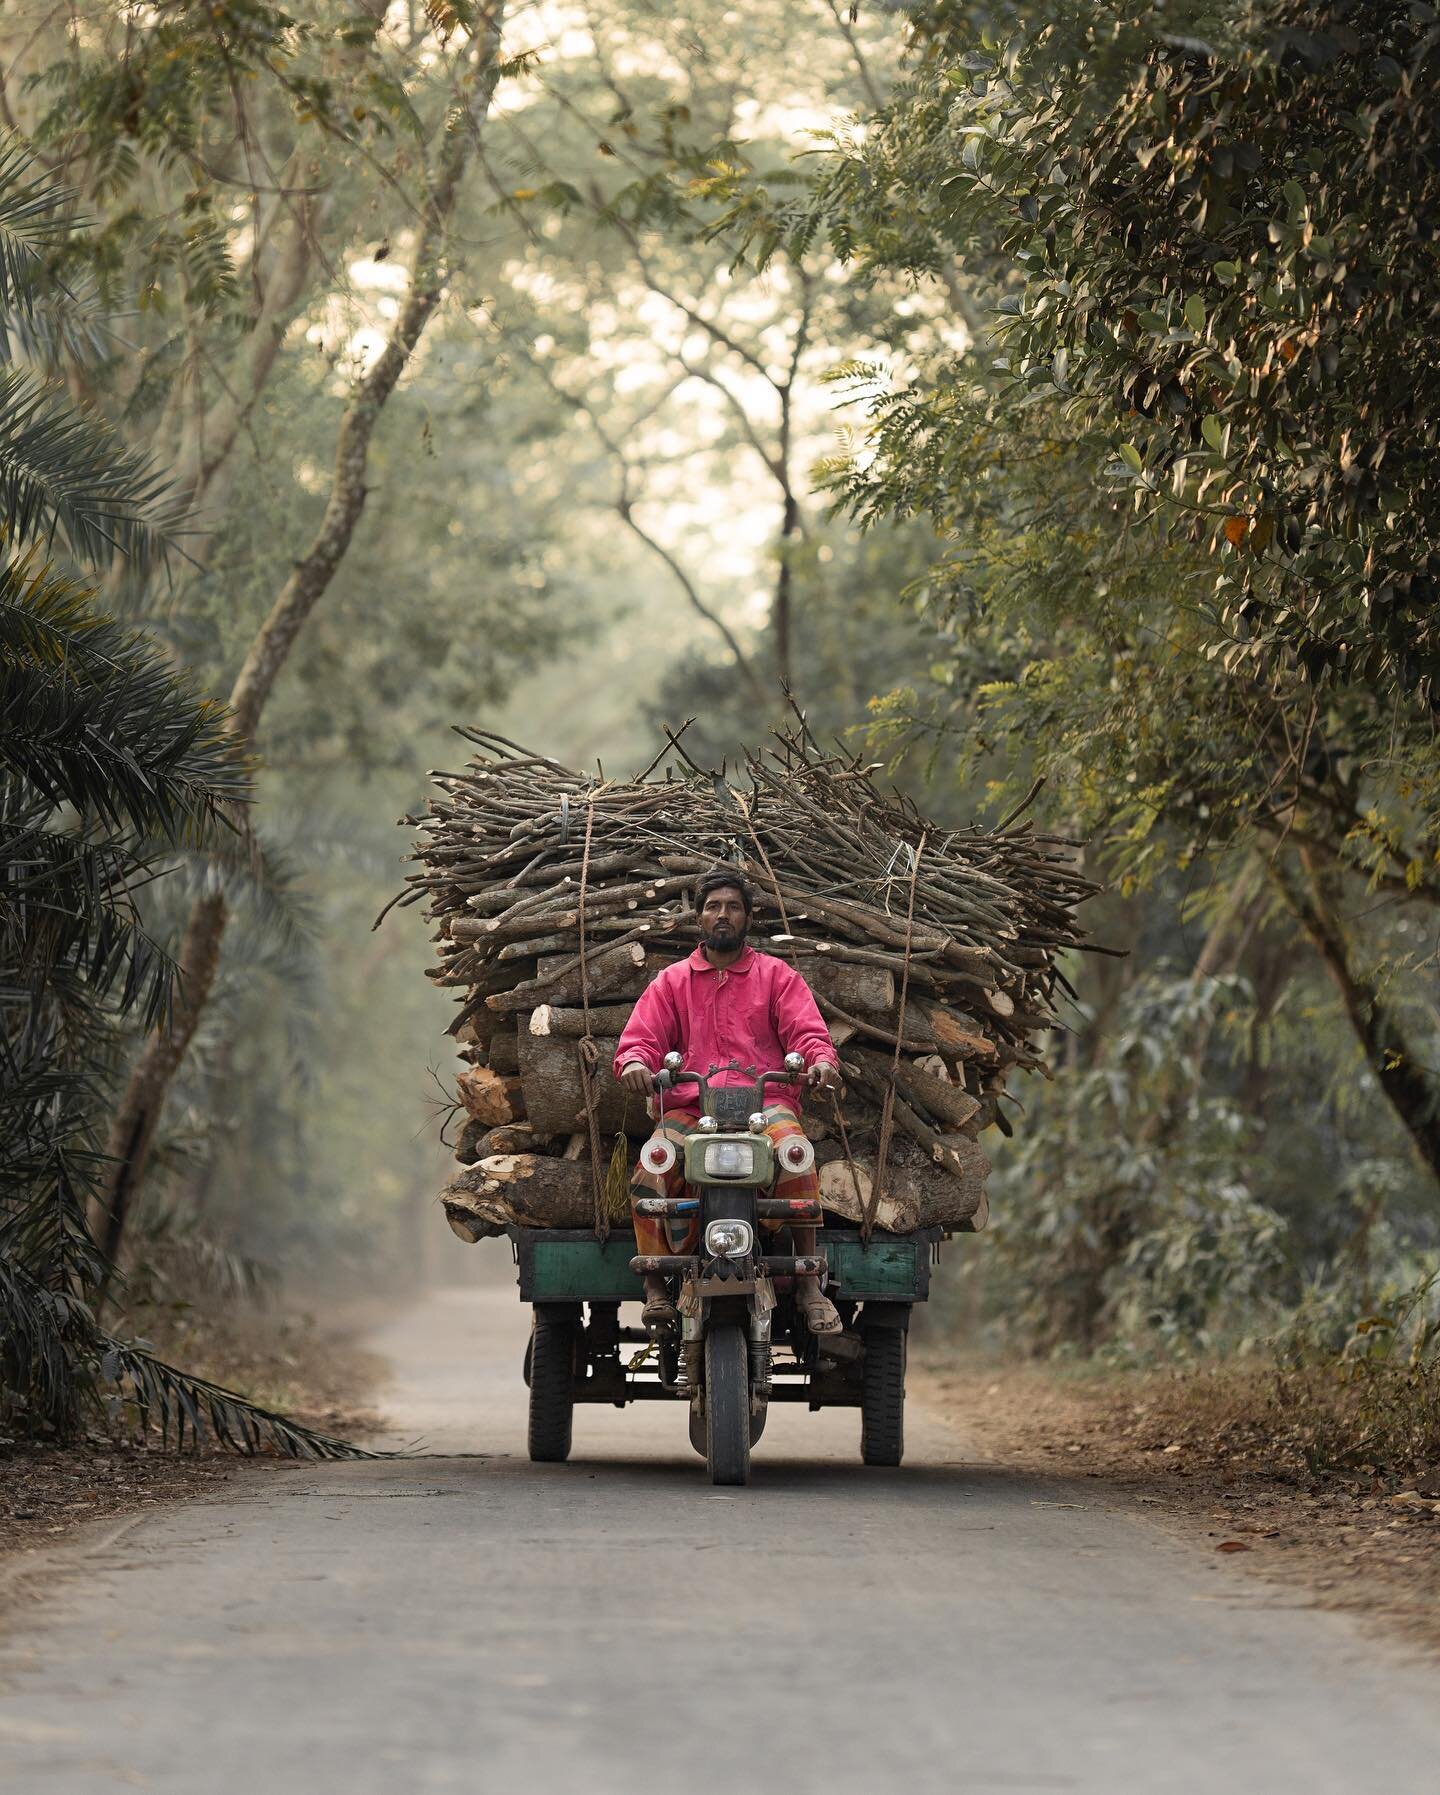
{"type": "Point", "coordinates": [698, 963]}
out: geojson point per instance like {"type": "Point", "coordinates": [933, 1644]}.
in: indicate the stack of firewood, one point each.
{"type": "Point", "coordinates": [558, 897]}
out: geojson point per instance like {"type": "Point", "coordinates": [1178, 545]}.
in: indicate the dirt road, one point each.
{"type": "Point", "coordinates": [478, 1623]}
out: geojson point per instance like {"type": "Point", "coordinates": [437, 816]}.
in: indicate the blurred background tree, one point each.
{"type": "Point", "coordinates": [1043, 392]}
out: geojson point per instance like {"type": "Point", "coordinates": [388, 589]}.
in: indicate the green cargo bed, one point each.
{"type": "Point", "coordinates": [569, 1265]}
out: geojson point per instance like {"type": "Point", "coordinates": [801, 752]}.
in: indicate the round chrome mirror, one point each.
{"type": "Point", "coordinates": [673, 1062]}
{"type": "Point", "coordinates": [794, 1062]}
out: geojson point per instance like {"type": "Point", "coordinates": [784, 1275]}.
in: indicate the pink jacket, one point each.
{"type": "Point", "coordinates": [755, 1011]}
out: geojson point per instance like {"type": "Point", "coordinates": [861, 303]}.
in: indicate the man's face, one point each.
{"type": "Point", "coordinates": [723, 922]}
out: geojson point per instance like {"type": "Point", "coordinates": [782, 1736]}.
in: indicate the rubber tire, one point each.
{"type": "Point", "coordinates": [882, 1397]}
{"type": "Point", "coordinates": [552, 1386]}
{"type": "Point", "coordinates": [727, 1404]}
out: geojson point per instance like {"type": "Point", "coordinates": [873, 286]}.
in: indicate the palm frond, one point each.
{"type": "Point", "coordinates": [181, 1407]}
{"type": "Point", "coordinates": [93, 716]}
{"type": "Point", "coordinates": [32, 221]}
{"type": "Point", "coordinates": [65, 474]}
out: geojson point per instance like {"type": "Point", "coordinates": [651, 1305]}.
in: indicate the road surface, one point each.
{"type": "Point", "coordinates": [615, 1624]}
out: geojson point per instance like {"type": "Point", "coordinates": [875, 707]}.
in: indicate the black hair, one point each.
{"type": "Point", "coordinates": [722, 878]}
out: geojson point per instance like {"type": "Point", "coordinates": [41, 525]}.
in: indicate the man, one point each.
{"type": "Point", "coordinates": [726, 1002]}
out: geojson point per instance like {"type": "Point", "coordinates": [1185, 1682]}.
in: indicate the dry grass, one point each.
{"type": "Point", "coordinates": [1313, 1476]}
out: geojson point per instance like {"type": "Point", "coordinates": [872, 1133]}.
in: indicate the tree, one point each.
{"type": "Point", "coordinates": [475, 72]}
{"type": "Point", "coordinates": [1188, 483]}
{"type": "Point", "coordinates": [108, 763]}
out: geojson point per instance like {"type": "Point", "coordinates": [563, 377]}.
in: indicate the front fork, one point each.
{"type": "Point", "coordinates": [692, 1345]}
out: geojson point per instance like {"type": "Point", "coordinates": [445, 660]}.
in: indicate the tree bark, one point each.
{"type": "Point", "coordinates": [1398, 1070]}
{"type": "Point", "coordinates": [132, 1131]}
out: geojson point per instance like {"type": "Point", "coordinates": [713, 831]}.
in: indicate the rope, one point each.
{"type": "Point", "coordinates": [845, 1149]}
{"type": "Point", "coordinates": [887, 1110]}
{"type": "Point", "coordinates": [586, 1052]}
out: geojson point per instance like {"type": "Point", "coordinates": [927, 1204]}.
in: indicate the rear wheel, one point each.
{"type": "Point", "coordinates": [882, 1397]}
{"type": "Point", "coordinates": [552, 1382]}
{"type": "Point", "coordinates": [727, 1404]}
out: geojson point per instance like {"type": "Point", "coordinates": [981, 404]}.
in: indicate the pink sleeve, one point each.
{"type": "Point", "coordinates": [652, 1031]}
{"type": "Point", "coordinates": [798, 1021]}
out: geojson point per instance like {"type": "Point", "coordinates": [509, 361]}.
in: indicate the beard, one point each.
{"type": "Point", "coordinates": [724, 937]}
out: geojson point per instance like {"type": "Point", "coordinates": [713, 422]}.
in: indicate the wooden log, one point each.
{"type": "Point", "coordinates": [555, 1097]}
{"type": "Point", "coordinates": [848, 986]}
{"type": "Point", "coordinates": [524, 1190]}
{"type": "Point", "coordinates": [489, 1097]}
{"type": "Point", "coordinates": [518, 1137]}
{"type": "Point", "coordinates": [470, 1147]}
{"type": "Point", "coordinates": [917, 1037]}
{"type": "Point", "coordinates": [555, 1020]}
{"type": "Point", "coordinates": [943, 1150]}
{"type": "Point", "coordinates": [846, 1194]}
{"type": "Point", "coordinates": [617, 971]}
{"type": "Point", "coordinates": [465, 1224]}
{"type": "Point", "coordinates": [503, 1053]}
{"type": "Point", "coordinates": [948, 1104]}
{"type": "Point", "coordinates": [955, 1039]}
{"type": "Point", "coordinates": [914, 1196]}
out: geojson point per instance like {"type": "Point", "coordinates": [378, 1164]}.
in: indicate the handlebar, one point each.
{"type": "Point", "coordinates": [667, 1080]}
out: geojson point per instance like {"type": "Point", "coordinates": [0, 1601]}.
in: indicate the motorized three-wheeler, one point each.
{"type": "Point", "coordinates": [739, 1340]}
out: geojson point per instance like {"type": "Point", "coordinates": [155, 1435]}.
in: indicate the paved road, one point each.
{"type": "Point", "coordinates": [477, 1623]}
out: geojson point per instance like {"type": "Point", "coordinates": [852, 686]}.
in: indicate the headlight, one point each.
{"type": "Point", "coordinates": [729, 1240]}
{"type": "Point", "coordinates": [729, 1159]}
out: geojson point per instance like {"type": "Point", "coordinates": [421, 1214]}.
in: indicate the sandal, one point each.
{"type": "Point", "coordinates": [820, 1314]}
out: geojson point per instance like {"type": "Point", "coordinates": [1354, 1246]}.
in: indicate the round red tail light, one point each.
{"type": "Point", "coordinates": [797, 1155]}
{"type": "Point", "coordinates": [658, 1155]}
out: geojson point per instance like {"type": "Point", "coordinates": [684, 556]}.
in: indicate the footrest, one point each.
{"type": "Point", "coordinates": [788, 1209]}
{"type": "Point", "coordinates": [809, 1265]}
{"type": "Point", "coordinates": [665, 1263]}
{"type": "Point", "coordinates": [666, 1205]}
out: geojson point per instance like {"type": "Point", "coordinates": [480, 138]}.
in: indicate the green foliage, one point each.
{"type": "Point", "coordinates": [1123, 1213]}
{"type": "Point", "coordinates": [1216, 288]}
{"type": "Point", "coordinates": [108, 763]}
{"type": "Point", "coordinates": [1370, 1399]}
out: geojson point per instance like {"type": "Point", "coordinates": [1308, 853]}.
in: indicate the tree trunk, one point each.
{"type": "Point", "coordinates": [132, 1131]}
{"type": "Point", "coordinates": [1413, 1095]}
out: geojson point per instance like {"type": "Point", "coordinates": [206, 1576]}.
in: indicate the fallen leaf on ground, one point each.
{"type": "Point", "coordinates": [1232, 1545]}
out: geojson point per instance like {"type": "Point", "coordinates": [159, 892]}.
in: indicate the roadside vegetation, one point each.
{"type": "Point", "coordinates": [1047, 394]}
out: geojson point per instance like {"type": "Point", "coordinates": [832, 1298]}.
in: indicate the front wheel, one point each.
{"type": "Point", "coordinates": [727, 1404]}
{"type": "Point", "coordinates": [882, 1397]}
{"type": "Point", "coordinates": [552, 1383]}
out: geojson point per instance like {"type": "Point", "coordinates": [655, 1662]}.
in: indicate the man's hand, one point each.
{"type": "Point", "coordinates": [637, 1076]}
{"type": "Point", "coordinates": [822, 1076]}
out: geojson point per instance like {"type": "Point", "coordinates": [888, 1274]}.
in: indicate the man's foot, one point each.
{"type": "Point", "coordinates": [659, 1310]}
{"type": "Point", "coordinates": [821, 1315]}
